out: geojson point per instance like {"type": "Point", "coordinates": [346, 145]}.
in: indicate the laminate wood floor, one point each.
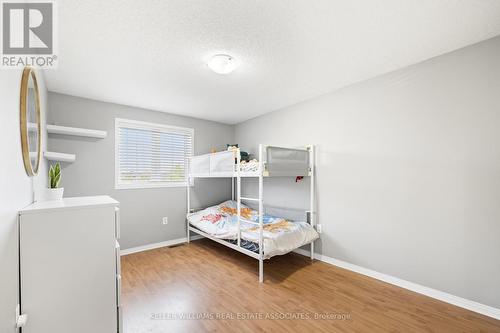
{"type": "Point", "coordinates": [206, 287]}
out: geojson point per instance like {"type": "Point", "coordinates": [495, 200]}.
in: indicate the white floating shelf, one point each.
{"type": "Point", "coordinates": [60, 157]}
{"type": "Point", "coordinates": [89, 133]}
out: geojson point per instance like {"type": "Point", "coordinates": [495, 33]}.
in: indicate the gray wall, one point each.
{"type": "Point", "coordinates": [408, 170]}
{"type": "Point", "coordinates": [16, 189]}
{"type": "Point", "coordinates": [93, 173]}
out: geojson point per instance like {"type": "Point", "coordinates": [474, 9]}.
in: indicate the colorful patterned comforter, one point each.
{"type": "Point", "coordinates": [280, 236]}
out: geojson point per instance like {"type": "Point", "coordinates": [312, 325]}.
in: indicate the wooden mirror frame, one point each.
{"type": "Point", "coordinates": [27, 73]}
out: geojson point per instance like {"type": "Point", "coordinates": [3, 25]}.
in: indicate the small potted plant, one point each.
{"type": "Point", "coordinates": [54, 192]}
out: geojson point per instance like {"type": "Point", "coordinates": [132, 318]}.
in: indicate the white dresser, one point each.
{"type": "Point", "coordinates": [70, 266]}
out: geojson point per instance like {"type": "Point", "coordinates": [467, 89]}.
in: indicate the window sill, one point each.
{"type": "Point", "coordinates": [148, 186]}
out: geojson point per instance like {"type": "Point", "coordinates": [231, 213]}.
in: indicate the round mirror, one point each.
{"type": "Point", "coordinates": [31, 139]}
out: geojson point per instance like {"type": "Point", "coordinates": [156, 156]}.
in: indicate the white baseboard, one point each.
{"type": "Point", "coordinates": [157, 245]}
{"type": "Point", "coordinates": [437, 294]}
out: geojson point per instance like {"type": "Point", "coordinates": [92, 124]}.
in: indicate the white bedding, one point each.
{"type": "Point", "coordinates": [280, 236]}
{"type": "Point", "coordinates": [250, 166]}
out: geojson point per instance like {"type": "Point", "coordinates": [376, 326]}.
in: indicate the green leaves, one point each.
{"type": "Point", "coordinates": [55, 175]}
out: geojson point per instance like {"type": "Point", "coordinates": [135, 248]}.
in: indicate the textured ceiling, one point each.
{"type": "Point", "coordinates": [150, 54]}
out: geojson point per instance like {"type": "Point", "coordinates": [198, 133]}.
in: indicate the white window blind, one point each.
{"type": "Point", "coordinates": [151, 155]}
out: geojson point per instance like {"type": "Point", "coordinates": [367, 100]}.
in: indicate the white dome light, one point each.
{"type": "Point", "coordinates": [222, 64]}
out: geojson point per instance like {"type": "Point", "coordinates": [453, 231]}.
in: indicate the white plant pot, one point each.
{"type": "Point", "coordinates": [50, 194]}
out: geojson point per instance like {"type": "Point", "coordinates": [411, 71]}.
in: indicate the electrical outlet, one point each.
{"type": "Point", "coordinates": [318, 228]}
{"type": "Point", "coordinates": [164, 220]}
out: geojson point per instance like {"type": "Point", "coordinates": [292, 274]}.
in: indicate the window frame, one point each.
{"type": "Point", "coordinates": [119, 185]}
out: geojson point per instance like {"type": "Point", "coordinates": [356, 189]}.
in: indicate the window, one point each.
{"type": "Point", "coordinates": [151, 155]}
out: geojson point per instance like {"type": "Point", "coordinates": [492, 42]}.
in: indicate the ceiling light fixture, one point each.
{"type": "Point", "coordinates": [222, 63]}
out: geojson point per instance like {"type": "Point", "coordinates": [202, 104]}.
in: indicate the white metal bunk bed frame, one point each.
{"type": "Point", "coordinates": [261, 174]}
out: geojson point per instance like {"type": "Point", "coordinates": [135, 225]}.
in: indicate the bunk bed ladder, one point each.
{"type": "Point", "coordinates": [188, 183]}
{"type": "Point", "coordinates": [238, 192]}
{"type": "Point", "coordinates": [311, 194]}
{"type": "Point", "coordinates": [261, 206]}
{"type": "Point", "coordinates": [261, 213]}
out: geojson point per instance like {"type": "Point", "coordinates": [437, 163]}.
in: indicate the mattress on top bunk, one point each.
{"type": "Point", "coordinates": [222, 162]}
{"type": "Point", "coordinates": [280, 236]}
{"type": "Point", "coordinates": [279, 162]}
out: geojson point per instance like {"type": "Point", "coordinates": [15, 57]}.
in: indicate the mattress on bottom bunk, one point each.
{"type": "Point", "coordinates": [280, 236]}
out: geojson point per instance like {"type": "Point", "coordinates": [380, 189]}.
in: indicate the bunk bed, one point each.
{"type": "Point", "coordinates": [238, 226]}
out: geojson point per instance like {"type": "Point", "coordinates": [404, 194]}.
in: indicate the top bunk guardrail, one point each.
{"type": "Point", "coordinates": [279, 162]}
